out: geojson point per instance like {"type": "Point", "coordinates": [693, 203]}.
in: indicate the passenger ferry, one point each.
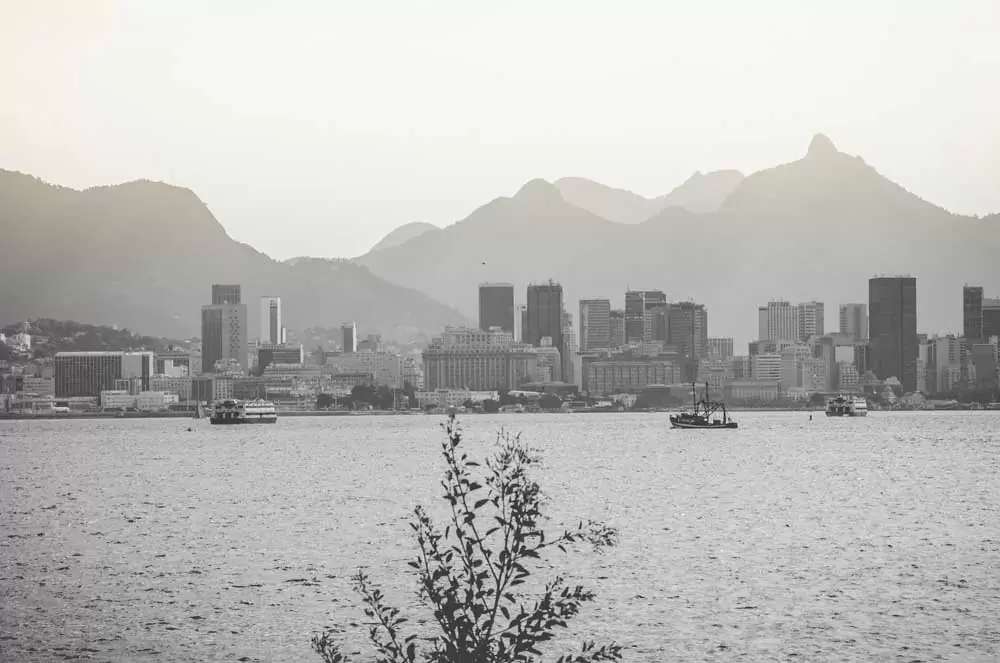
{"type": "Point", "coordinates": [847, 406]}
{"type": "Point", "coordinates": [231, 411]}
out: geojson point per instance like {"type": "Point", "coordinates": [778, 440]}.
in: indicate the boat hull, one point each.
{"type": "Point", "coordinates": [847, 414]}
{"type": "Point", "coordinates": [232, 421]}
{"type": "Point", "coordinates": [690, 425]}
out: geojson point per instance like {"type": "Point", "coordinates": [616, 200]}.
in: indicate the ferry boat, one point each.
{"type": "Point", "coordinates": [704, 415]}
{"type": "Point", "coordinates": [847, 406]}
{"type": "Point", "coordinates": [232, 411]}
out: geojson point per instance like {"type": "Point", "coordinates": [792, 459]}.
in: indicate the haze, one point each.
{"type": "Point", "coordinates": [316, 128]}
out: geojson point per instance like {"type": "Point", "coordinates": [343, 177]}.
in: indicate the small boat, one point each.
{"type": "Point", "coordinates": [231, 411]}
{"type": "Point", "coordinates": [847, 406]}
{"type": "Point", "coordinates": [705, 414]}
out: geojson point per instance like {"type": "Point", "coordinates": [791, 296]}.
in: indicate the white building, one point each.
{"type": "Point", "coordinates": [766, 367]}
{"type": "Point", "coordinates": [854, 321]}
{"type": "Point", "coordinates": [778, 321]}
{"type": "Point", "coordinates": [152, 401]}
{"type": "Point", "coordinates": [454, 397]}
{"type": "Point", "coordinates": [810, 320]}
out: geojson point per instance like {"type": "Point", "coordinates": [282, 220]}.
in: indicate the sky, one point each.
{"type": "Point", "coordinates": [315, 128]}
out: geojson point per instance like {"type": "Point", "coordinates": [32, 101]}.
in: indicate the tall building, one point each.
{"type": "Point", "coordinates": [595, 324]}
{"type": "Point", "coordinates": [463, 358]}
{"type": "Point", "coordinates": [637, 302]}
{"type": "Point", "coordinates": [810, 320]}
{"type": "Point", "coordinates": [350, 336]}
{"type": "Point", "coordinates": [720, 348]}
{"type": "Point", "coordinates": [89, 373]}
{"type": "Point", "coordinates": [854, 321]}
{"type": "Point", "coordinates": [778, 321]}
{"type": "Point", "coordinates": [687, 330]}
{"type": "Point", "coordinates": [569, 349]}
{"type": "Point", "coordinates": [224, 329]}
{"type": "Point", "coordinates": [496, 306]}
{"type": "Point", "coordinates": [991, 318]}
{"type": "Point", "coordinates": [892, 306]}
{"type": "Point", "coordinates": [545, 307]}
{"type": "Point", "coordinates": [972, 312]}
{"type": "Point", "coordinates": [616, 328]}
{"type": "Point", "coordinates": [226, 294]}
{"type": "Point", "coordinates": [270, 320]}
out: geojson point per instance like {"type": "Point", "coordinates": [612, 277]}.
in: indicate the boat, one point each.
{"type": "Point", "coordinates": [705, 414]}
{"type": "Point", "coordinates": [847, 406]}
{"type": "Point", "coordinates": [231, 411]}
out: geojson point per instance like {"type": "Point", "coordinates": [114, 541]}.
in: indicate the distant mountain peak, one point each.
{"type": "Point", "coordinates": [821, 146]}
{"type": "Point", "coordinates": [541, 191]}
{"type": "Point", "coordinates": [404, 234]}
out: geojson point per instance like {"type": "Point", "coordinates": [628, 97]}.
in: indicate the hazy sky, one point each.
{"type": "Point", "coordinates": [316, 127]}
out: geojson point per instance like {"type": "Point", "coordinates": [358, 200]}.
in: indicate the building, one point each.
{"type": "Point", "coordinates": [603, 376]}
{"type": "Point", "coordinates": [753, 391]}
{"type": "Point", "coordinates": [892, 306]}
{"type": "Point", "coordinates": [462, 358]}
{"type": "Point", "coordinates": [720, 348]}
{"type": "Point", "coordinates": [792, 359]}
{"type": "Point", "coordinates": [766, 367]}
{"type": "Point", "coordinates": [687, 329]}
{"type": "Point", "coordinates": [854, 321]}
{"type": "Point", "coordinates": [226, 294]}
{"type": "Point", "coordinates": [847, 376]}
{"type": "Point", "coordinates": [778, 321]}
{"type": "Point", "coordinates": [174, 362]}
{"type": "Point", "coordinates": [810, 320]}
{"type": "Point", "coordinates": [569, 349]}
{"type": "Point", "coordinates": [181, 386]}
{"type": "Point", "coordinates": [382, 368]}
{"type": "Point", "coordinates": [972, 312]}
{"type": "Point", "coordinates": [454, 397]}
{"type": "Point", "coordinates": [616, 329]}
{"type": "Point", "coordinates": [991, 318]}
{"type": "Point", "coordinates": [549, 362]}
{"type": "Point", "coordinates": [350, 336]}
{"type": "Point", "coordinates": [637, 303]}
{"type": "Point", "coordinates": [814, 375]}
{"type": "Point", "coordinates": [595, 324]}
{"type": "Point", "coordinates": [496, 306]}
{"type": "Point", "coordinates": [87, 374]}
{"type": "Point", "coordinates": [270, 320]}
{"type": "Point", "coordinates": [40, 387]}
{"type": "Point", "coordinates": [545, 308]}
{"type": "Point", "coordinates": [224, 330]}
{"type": "Point", "coordinates": [984, 360]}
{"type": "Point", "coordinates": [278, 353]}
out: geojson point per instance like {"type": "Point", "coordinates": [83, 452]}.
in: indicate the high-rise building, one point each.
{"type": "Point", "coordinates": [972, 312]}
{"type": "Point", "coordinates": [270, 320]}
{"type": "Point", "coordinates": [569, 349]}
{"type": "Point", "coordinates": [810, 320]}
{"type": "Point", "coordinates": [720, 348]}
{"type": "Point", "coordinates": [637, 303]}
{"type": "Point", "coordinates": [350, 336]}
{"type": "Point", "coordinates": [616, 327]}
{"type": "Point", "coordinates": [224, 330]}
{"type": "Point", "coordinates": [854, 321]}
{"type": "Point", "coordinates": [496, 306]}
{"type": "Point", "coordinates": [991, 318]}
{"type": "Point", "coordinates": [687, 324]}
{"type": "Point", "coordinates": [595, 324]}
{"type": "Point", "coordinates": [87, 374]}
{"type": "Point", "coordinates": [226, 294]}
{"type": "Point", "coordinates": [778, 321]}
{"type": "Point", "coordinates": [892, 306]}
{"type": "Point", "coordinates": [545, 307]}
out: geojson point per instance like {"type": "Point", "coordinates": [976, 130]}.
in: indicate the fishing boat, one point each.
{"type": "Point", "coordinates": [231, 411]}
{"type": "Point", "coordinates": [706, 413]}
{"type": "Point", "coordinates": [847, 406]}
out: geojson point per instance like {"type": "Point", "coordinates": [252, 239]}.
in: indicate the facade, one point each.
{"type": "Point", "coordinates": [462, 358]}
{"type": "Point", "coordinates": [270, 320]}
{"type": "Point", "coordinates": [569, 349]}
{"type": "Point", "coordinates": [810, 320]}
{"type": "Point", "coordinates": [720, 348]}
{"type": "Point", "coordinates": [984, 360]}
{"type": "Point", "coordinates": [278, 353]}
{"type": "Point", "coordinates": [854, 321]}
{"type": "Point", "coordinates": [766, 367]}
{"type": "Point", "coordinates": [350, 336]}
{"type": "Point", "coordinates": [687, 330]}
{"type": "Point", "coordinates": [972, 312]}
{"type": "Point", "coordinates": [454, 397]}
{"type": "Point", "coordinates": [753, 391]}
{"type": "Point", "coordinates": [892, 306]}
{"type": "Point", "coordinates": [778, 321]}
{"type": "Point", "coordinates": [172, 385]}
{"type": "Point", "coordinates": [603, 376]}
{"type": "Point", "coordinates": [382, 368]}
{"type": "Point", "coordinates": [224, 330]}
{"type": "Point", "coordinates": [637, 303]}
{"type": "Point", "coordinates": [847, 376]}
{"type": "Point", "coordinates": [616, 329]}
{"type": "Point", "coordinates": [87, 374]}
{"type": "Point", "coordinates": [595, 324]}
{"type": "Point", "coordinates": [174, 362]}
{"type": "Point", "coordinates": [545, 307]}
{"type": "Point", "coordinates": [991, 318]}
{"type": "Point", "coordinates": [226, 294]}
{"type": "Point", "coordinates": [496, 306]}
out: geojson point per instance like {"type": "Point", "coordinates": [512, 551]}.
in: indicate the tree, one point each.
{"type": "Point", "coordinates": [817, 399]}
{"type": "Point", "coordinates": [491, 406]}
{"type": "Point", "coordinates": [324, 401]}
{"type": "Point", "coordinates": [471, 574]}
{"type": "Point", "coordinates": [550, 402]}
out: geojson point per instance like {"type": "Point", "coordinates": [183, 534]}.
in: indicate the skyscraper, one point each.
{"type": "Point", "coordinates": [972, 312]}
{"type": "Point", "coordinates": [892, 303]}
{"type": "Point", "coordinates": [89, 373]}
{"type": "Point", "coordinates": [224, 329]}
{"type": "Point", "coordinates": [595, 323]}
{"type": "Point", "coordinates": [854, 321]}
{"type": "Point", "coordinates": [687, 324]}
{"type": "Point", "coordinates": [270, 320]}
{"type": "Point", "coordinates": [545, 307]}
{"type": "Point", "coordinates": [638, 328]}
{"type": "Point", "coordinates": [496, 306]}
{"type": "Point", "coordinates": [991, 318]}
{"type": "Point", "coordinates": [350, 331]}
{"type": "Point", "coordinates": [778, 321]}
{"type": "Point", "coordinates": [810, 320]}
{"type": "Point", "coordinates": [616, 328]}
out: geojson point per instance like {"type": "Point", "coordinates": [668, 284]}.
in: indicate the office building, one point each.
{"type": "Point", "coordinates": [637, 303]}
{"type": "Point", "coordinates": [604, 376]}
{"type": "Point", "coordinates": [972, 312]}
{"type": "Point", "coordinates": [687, 329]}
{"type": "Point", "coordinates": [991, 318]}
{"type": "Point", "coordinates": [569, 349]}
{"type": "Point", "coordinates": [983, 359]}
{"type": "Point", "coordinates": [224, 331]}
{"type": "Point", "coordinates": [496, 306]}
{"type": "Point", "coordinates": [350, 336]}
{"type": "Point", "coordinates": [226, 294]}
{"type": "Point", "coordinates": [892, 307]}
{"type": "Point", "coordinates": [720, 348]}
{"type": "Point", "coordinates": [766, 367]}
{"type": "Point", "coordinates": [278, 353]}
{"type": "Point", "coordinates": [778, 321]}
{"type": "Point", "coordinates": [810, 320]}
{"type": "Point", "coordinates": [616, 327]}
{"type": "Point", "coordinates": [854, 321]}
{"type": "Point", "coordinates": [270, 320]}
{"type": "Point", "coordinates": [545, 307]}
{"type": "Point", "coordinates": [87, 374]}
{"type": "Point", "coordinates": [462, 358]}
{"type": "Point", "coordinates": [595, 324]}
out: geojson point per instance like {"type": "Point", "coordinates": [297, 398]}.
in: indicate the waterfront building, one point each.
{"type": "Point", "coordinates": [39, 387]}
{"type": "Point", "coordinates": [595, 324]}
{"type": "Point", "coordinates": [278, 353]}
{"type": "Point", "coordinates": [810, 320]}
{"type": "Point", "coordinates": [270, 320]}
{"type": "Point", "coordinates": [892, 306]}
{"type": "Point", "coordinates": [87, 374]}
{"type": "Point", "coordinates": [545, 308]}
{"type": "Point", "coordinates": [224, 330]}
{"type": "Point", "coordinates": [603, 376]}
{"type": "Point", "coordinates": [174, 362]}
{"type": "Point", "coordinates": [172, 385]}
{"type": "Point", "coordinates": [349, 330]}
{"type": "Point", "coordinates": [462, 358]}
{"type": "Point", "coordinates": [382, 368]}
{"type": "Point", "coordinates": [854, 321]}
{"type": "Point", "coordinates": [496, 306]}
{"type": "Point", "coordinates": [972, 312]}
{"type": "Point", "coordinates": [454, 397]}
{"type": "Point", "coordinates": [720, 348]}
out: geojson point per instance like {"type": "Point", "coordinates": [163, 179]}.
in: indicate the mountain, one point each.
{"type": "Point", "coordinates": [144, 255]}
{"type": "Point", "coordinates": [816, 228]}
{"type": "Point", "coordinates": [404, 234]}
{"type": "Point", "coordinates": [700, 193]}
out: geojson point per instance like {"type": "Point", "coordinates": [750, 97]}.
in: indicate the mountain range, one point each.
{"type": "Point", "coordinates": [144, 255]}
{"type": "Point", "coordinates": [814, 229]}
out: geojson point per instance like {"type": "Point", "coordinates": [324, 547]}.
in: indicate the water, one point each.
{"type": "Point", "coordinates": [834, 539]}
